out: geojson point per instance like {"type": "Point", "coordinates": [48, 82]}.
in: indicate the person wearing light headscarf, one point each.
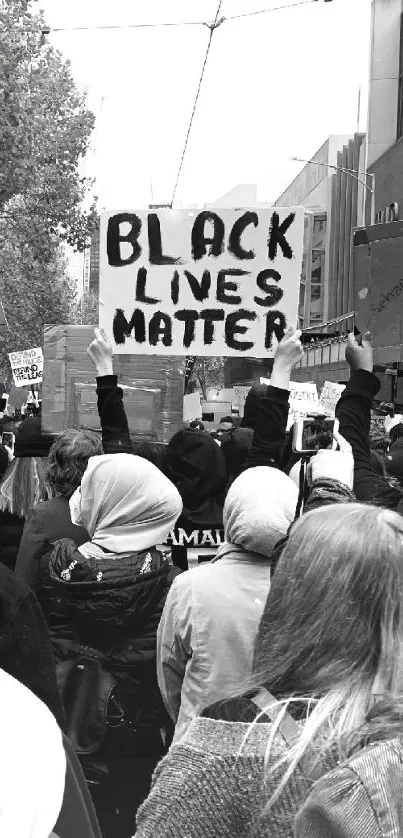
{"type": "Point", "coordinates": [211, 616]}
{"type": "Point", "coordinates": [107, 596]}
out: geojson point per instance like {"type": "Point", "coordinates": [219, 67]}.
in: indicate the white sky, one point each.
{"type": "Point", "coordinates": [276, 85]}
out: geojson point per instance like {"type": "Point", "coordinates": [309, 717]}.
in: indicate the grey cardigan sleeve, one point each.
{"type": "Point", "coordinates": [339, 806]}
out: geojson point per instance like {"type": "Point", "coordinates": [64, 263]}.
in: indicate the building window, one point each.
{"type": "Point", "coordinates": [400, 94]}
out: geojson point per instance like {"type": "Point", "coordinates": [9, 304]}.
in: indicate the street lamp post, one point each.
{"type": "Point", "coordinates": [353, 173]}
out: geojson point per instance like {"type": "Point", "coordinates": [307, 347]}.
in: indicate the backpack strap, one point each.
{"type": "Point", "coordinates": [288, 727]}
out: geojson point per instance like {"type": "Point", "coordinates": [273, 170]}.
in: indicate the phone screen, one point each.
{"type": "Point", "coordinates": [8, 439]}
{"type": "Point", "coordinates": [317, 434]}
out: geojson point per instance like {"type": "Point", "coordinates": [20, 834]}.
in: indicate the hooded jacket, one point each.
{"type": "Point", "coordinates": [108, 594]}
{"type": "Point", "coordinates": [114, 607]}
{"type": "Point", "coordinates": [212, 613]}
{"type": "Point", "coordinates": [197, 469]}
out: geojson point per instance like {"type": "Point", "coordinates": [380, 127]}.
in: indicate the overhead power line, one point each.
{"type": "Point", "coordinates": [213, 27]}
{"type": "Point", "coordinates": [104, 27]}
{"type": "Point", "coordinates": [273, 9]}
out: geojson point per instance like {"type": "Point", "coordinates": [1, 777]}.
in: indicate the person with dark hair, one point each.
{"type": "Point", "coordinates": [23, 485]}
{"type": "Point", "coordinates": [154, 452]}
{"type": "Point", "coordinates": [50, 520]}
{"type": "Point", "coordinates": [396, 432]}
{"type": "Point", "coordinates": [68, 459]}
{"type": "Point", "coordinates": [226, 423]}
{"type": "Point", "coordinates": [197, 425]}
{"type": "Point", "coordinates": [394, 457]}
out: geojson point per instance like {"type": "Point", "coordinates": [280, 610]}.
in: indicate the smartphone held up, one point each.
{"type": "Point", "coordinates": [313, 434]}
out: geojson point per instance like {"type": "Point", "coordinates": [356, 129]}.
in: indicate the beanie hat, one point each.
{"type": "Point", "coordinates": [30, 441]}
{"type": "Point", "coordinates": [259, 509]}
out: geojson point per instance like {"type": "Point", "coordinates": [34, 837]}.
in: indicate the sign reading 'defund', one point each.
{"type": "Point", "coordinates": [27, 367]}
{"type": "Point", "coordinates": [217, 282]}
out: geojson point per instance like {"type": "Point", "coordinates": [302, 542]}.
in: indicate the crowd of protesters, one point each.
{"type": "Point", "coordinates": [258, 693]}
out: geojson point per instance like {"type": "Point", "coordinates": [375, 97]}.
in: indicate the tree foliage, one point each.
{"type": "Point", "coordinates": [206, 373]}
{"type": "Point", "coordinates": [86, 309]}
{"type": "Point", "coordinates": [34, 293]}
{"type": "Point", "coordinates": [45, 127]}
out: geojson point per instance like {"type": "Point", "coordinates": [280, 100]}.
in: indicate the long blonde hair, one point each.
{"type": "Point", "coordinates": [24, 485]}
{"type": "Point", "coordinates": [330, 637]}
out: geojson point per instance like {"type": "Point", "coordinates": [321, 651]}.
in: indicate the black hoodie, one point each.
{"type": "Point", "coordinates": [197, 469]}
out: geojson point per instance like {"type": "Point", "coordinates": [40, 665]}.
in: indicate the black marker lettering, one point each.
{"type": "Point", "coordinates": [277, 237]}
{"type": "Point", "coordinates": [200, 240]}
{"type": "Point", "coordinates": [234, 244]}
{"type": "Point", "coordinates": [232, 328]}
{"type": "Point", "coordinates": [274, 294]}
{"type": "Point", "coordinates": [155, 244]}
{"type": "Point", "coordinates": [276, 325]}
{"type": "Point", "coordinates": [200, 290]}
{"type": "Point", "coordinates": [141, 296]}
{"type": "Point", "coordinates": [175, 288]}
{"type": "Point", "coordinates": [122, 329]}
{"type": "Point", "coordinates": [114, 238]}
{"type": "Point", "coordinates": [223, 286]}
{"type": "Point", "coordinates": [160, 325]}
{"type": "Point", "coordinates": [189, 319]}
{"type": "Point", "coordinates": [210, 316]}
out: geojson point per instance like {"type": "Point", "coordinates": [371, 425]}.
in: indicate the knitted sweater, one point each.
{"type": "Point", "coordinates": [211, 785]}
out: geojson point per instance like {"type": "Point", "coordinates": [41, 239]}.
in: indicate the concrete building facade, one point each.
{"type": "Point", "coordinates": [335, 203]}
{"type": "Point", "coordinates": [385, 112]}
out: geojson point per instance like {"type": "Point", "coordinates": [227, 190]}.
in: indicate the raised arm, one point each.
{"type": "Point", "coordinates": [114, 424]}
{"type": "Point", "coordinates": [354, 414]}
{"type": "Point", "coordinates": [271, 422]}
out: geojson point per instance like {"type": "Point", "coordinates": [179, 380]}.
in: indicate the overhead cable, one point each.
{"type": "Point", "coordinates": [103, 27]}
{"type": "Point", "coordinates": [212, 28]}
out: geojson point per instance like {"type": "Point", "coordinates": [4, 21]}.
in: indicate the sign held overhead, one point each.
{"type": "Point", "coordinates": [27, 367]}
{"type": "Point", "coordinates": [222, 282]}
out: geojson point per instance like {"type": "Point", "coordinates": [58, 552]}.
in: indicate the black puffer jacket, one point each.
{"type": "Point", "coordinates": [114, 606]}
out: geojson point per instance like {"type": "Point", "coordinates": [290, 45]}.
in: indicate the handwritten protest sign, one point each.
{"type": "Point", "coordinates": [304, 400]}
{"type": "Point", "coordinates": [27, 367]}
{"type": "Point", "coordinates": [330, 395]}
{"type": "Point", "coordinates": [222, 282]}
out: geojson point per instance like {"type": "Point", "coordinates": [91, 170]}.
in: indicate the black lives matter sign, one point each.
{"type": "Point", "coordinates": [217, 282]}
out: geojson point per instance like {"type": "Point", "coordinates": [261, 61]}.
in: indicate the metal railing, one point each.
{"type": "Point", "coordinates": [329, 348]}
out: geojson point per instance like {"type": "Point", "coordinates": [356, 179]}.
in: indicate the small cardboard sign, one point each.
{"type": "Point", "coordinates": [27, 367]}
{"type": "Point", "coordinates": [212, 283]}
{"type": "Point", "coordinates": [329, 397]}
